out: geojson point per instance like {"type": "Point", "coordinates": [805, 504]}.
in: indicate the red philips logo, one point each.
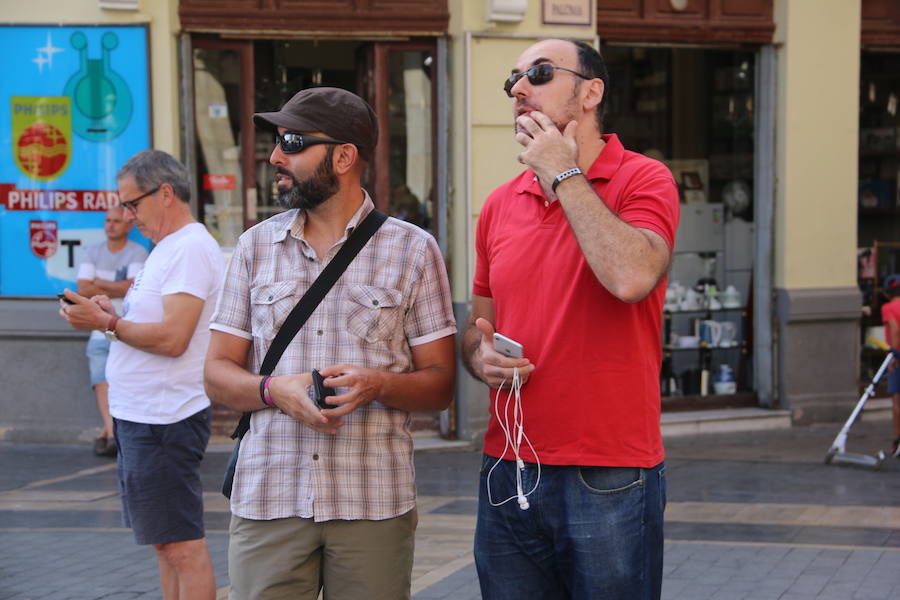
{"type": "Point", "coordinates": [44, 238]}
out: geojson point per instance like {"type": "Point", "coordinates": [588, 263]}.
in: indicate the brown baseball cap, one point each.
{"type": "Point", "coordinates": [337, 113]}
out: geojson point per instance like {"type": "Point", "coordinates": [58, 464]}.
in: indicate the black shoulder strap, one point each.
{"type": "Point", "coordinates": [313, 297]}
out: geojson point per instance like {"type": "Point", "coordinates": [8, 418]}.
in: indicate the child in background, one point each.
{"type": "Point", "coordinates": [890, 316]}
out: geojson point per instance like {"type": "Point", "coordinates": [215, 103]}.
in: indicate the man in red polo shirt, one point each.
{"type": "Point", "coordinates": [571, 262]}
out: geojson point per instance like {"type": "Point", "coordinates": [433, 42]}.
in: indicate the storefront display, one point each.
{"type": "Point", "coordinates": [693, 109]}
{"type": "Point", "coordinates": [879, 195]}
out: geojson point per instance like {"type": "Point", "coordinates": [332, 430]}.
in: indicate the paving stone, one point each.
{"type": "Point", "coordinates": [873, 591]}
{"type": "Point", "coordinates": [672, 586]}
{"type": "Point", "coordinates": [752, 572]}
{"type": "Point", "coordinates": [763, 595]}
{"type": "Point", "coordinates": [697, 591]}
{"type": "Point", "coordinates": [776, 584]}
{"type": "Point", "coordinates": [808, 584]}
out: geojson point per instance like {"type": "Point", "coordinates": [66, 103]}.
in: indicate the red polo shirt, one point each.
{"type": "Point", "coordinates": [890, 311]}
{"type": "Point", "coordinates": [593, 398]}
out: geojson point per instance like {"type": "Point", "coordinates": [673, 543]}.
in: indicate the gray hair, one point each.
{"type": "Point", "coordinates": [152, 168]}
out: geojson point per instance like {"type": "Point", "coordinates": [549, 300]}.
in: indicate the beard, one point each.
{"type": "Point", "coordinates": [313, 191]}
{"type": "Point", "coordinates": [567, 113]}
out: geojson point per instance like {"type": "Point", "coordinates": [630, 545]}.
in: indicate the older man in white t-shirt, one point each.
{"type": "Point", "coordinates": [155, 371]}
{"type": "Point", "coordinates": [108, 268]}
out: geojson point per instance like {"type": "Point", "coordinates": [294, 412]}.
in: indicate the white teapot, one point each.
{"type": "Point", "coordinates": [693, 300]}
{"type": "Point", "coordinates": [731, 298]}
{"type": "Point", "coordinates": [674, 296]}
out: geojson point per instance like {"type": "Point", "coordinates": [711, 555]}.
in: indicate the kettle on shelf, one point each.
{"type": "Point", "coordinates": [724, 382]}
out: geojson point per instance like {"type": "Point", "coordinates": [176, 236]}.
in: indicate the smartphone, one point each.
{"type": "Point", "coordinates": [507, 347]}
{"type": "Point", "coordinates": [64, 299]}
{"type": "Point", "coordinates": [320, 391]}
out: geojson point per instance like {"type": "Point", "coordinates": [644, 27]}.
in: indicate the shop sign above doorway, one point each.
{"type": "Point", "coordinates": [567, 12]}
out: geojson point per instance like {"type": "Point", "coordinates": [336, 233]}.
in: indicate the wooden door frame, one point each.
{"type": "Point", "coordinates": [246, 108]}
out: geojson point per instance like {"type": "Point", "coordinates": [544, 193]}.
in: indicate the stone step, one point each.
{"type": "Point", "coordinates": [727, 420]}
{"type": "Point", "coordinates": [878, 408]}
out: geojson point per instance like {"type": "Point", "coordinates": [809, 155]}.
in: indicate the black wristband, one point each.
{"type": "Point", "coordinates": [563, 176]}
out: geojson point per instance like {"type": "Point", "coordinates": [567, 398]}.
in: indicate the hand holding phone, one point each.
{"type": "Point", "coordinates": [64, 299]}
{"type": "Point", "coordinates": [320, 391]}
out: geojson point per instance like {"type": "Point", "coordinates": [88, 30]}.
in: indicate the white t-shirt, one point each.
{"type": "Point", "coordinates": [151, 388]}
{"type": "Point", "coordinates": [99, 262]}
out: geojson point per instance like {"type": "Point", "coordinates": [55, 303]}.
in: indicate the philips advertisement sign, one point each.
{"type": "Point", "coordinates": [74, 106]}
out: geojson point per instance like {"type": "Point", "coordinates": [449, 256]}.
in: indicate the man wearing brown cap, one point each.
{"type": "Point", "coordinates": [326, 497]}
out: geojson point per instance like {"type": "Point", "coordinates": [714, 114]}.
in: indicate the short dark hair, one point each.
{"type": "Point", "coordinates": [152, 168]}
{"type": "Point", "coordinates": [591, 64]}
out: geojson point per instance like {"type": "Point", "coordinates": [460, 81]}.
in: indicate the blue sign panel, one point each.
{"type": "Point", "coordinates": [74, 106]}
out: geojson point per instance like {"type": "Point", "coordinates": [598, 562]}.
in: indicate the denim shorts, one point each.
{"type": "Point", "coordinates": [159, 478]}
{"type": "Point", "coordinates": [894, 381]}
{"type": "Point", "coordinates": [589, 532]}
{"type": "Point", "coordinates": [97, 350]}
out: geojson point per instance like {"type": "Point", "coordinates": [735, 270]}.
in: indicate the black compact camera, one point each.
{"type": "Point", "coordinates": [320, 391]}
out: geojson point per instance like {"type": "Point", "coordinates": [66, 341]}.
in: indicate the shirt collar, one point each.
{"type": "Point", "coordinates": [604, 167]}
{"type": "Point", "coordinates": [297, 224]}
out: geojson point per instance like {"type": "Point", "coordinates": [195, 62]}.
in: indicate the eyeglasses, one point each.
{"type": "Point", "coordinates": [133, 203]}
{"type": "Point", "coordinates": [537, 75]}
{"type": "Point", "coordinates": [292, 143]}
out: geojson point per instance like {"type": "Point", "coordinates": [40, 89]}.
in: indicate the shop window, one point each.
{"type": "Point", "coordinates": [878, 226]}
{"type": "Point", "coordinates": [410, 131]}
{"type": "Point", "coordinates": [693, 109]}
{"type": "Point", "coordinates": [217, 79]}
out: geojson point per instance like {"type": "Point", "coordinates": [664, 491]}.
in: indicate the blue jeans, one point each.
{"type": "Point", "coordinates": [590, 533]}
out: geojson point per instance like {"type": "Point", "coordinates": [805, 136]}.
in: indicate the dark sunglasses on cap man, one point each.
{"type": "Point", "coordinates": [537, 75]}
{"type": "Point", "coordinates": [292, 143]}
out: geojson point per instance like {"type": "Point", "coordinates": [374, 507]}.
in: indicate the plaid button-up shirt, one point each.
{"type": "Point", "coordinates": [394, 295]}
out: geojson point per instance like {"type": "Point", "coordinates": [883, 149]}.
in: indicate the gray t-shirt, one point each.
{"type": "Point", "coordinates": [99, 263]}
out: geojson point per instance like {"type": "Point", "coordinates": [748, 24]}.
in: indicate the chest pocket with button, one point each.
{"type": "Point", "coordinates": [269, 307]}
{"type": "Point", "coordinates": [374, 313]}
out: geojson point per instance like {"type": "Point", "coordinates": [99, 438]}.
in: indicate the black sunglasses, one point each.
{"type": "Point", "coordinates": [537, 75]}
{"type": "Point", "coordinates": [292, 143]}
{"type": "Point", "coordinates": [133, 203]}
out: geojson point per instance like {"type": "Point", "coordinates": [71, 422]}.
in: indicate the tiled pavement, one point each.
{"type": "Point", "coordinates": [751, 516]}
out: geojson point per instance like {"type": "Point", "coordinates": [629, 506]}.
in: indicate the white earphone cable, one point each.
{"type": "Point", "coordinates": [514, 433]}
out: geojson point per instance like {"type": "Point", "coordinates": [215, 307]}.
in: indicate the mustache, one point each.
{"type": "Point", "coordinates": [283, 171]}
